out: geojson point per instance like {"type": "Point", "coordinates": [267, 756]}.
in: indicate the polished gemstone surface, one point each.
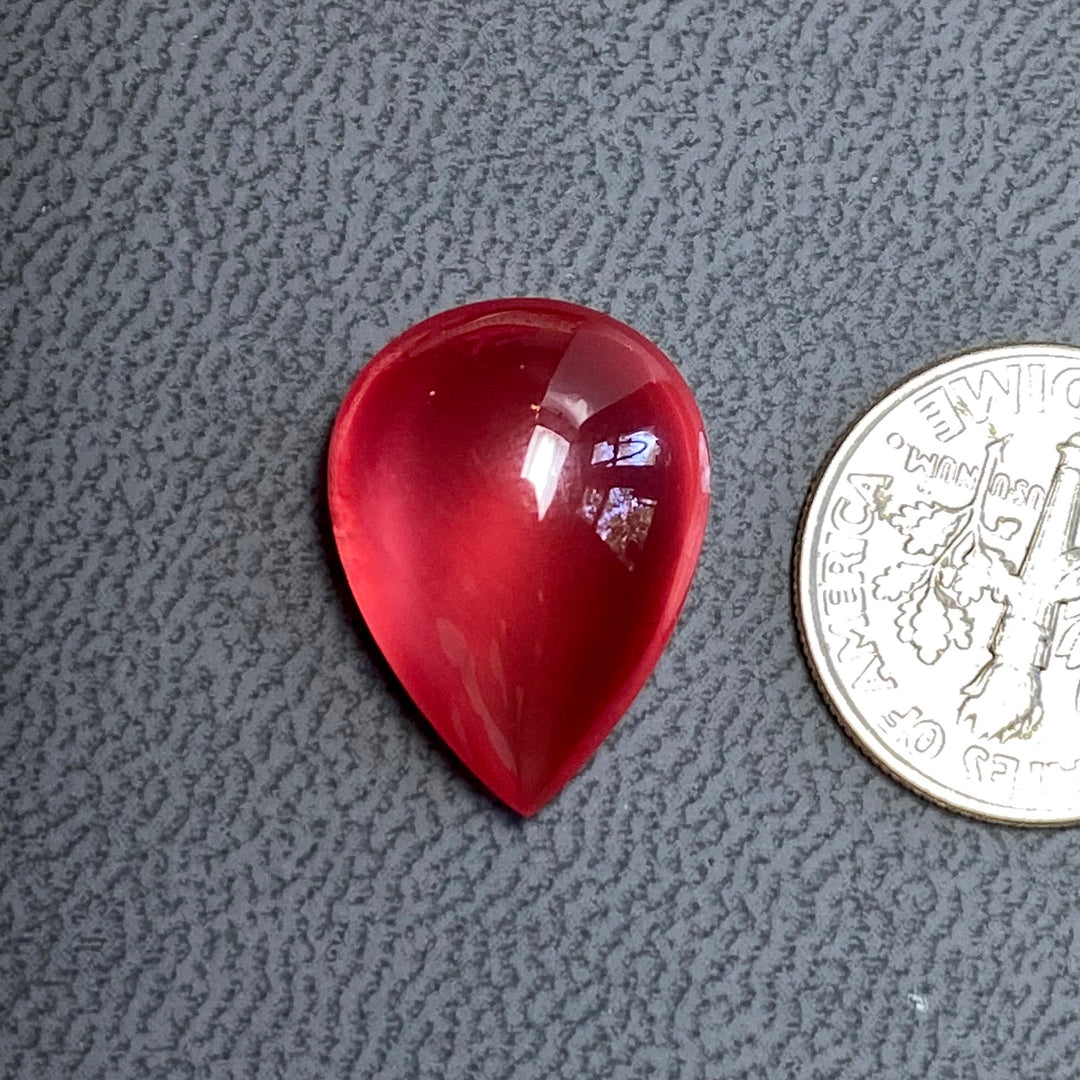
{"type": "Point", "coordinates": [519, 490]}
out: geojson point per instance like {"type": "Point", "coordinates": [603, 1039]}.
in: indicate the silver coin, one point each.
{"type": "Point", "coordinates": [938, 583]}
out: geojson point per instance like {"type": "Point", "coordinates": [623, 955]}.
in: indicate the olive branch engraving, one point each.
{"type": "Point", "coordinates": [956, 558]}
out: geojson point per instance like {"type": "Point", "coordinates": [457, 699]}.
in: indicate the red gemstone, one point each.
{"type": "Point", "coordinates": [519, 490]}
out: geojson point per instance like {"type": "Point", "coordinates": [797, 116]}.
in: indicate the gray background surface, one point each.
{"type": "Point", "coordinates": [229, 848]}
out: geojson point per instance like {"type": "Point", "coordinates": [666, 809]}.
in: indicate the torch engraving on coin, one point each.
{"type": "Point", "coordinates": [958, 558]}
{"type": "Point", "coordinates": [939, 583]}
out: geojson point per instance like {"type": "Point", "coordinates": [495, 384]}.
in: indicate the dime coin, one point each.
{"type": "Point", "coordinates": [938, 583]}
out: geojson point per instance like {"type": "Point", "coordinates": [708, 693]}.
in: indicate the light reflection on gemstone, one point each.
{"type": "Point", "coordinates": [591, 502]}
{"type": "Point", "coordinates": [624, 523]}
{"type": "Point", "coordinates": [571, 406]}
{"type": "Point", "coordinates": [637, 448]}
{"type": "Point", "coordinates": [544, 460]}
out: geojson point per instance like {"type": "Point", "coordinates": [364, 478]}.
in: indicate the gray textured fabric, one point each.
{"type": "Point", "coordinates": [230, 849]}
